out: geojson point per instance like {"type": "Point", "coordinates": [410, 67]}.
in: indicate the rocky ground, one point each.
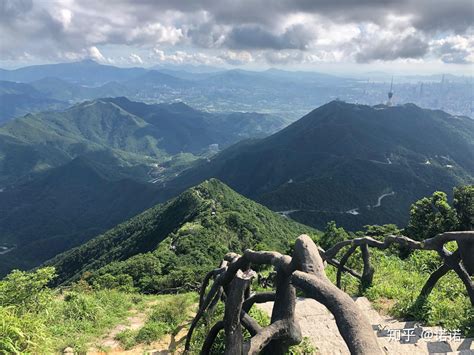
{"type": "Point", "coordinates": [395, 337]}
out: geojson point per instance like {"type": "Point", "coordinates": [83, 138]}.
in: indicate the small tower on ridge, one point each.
{"type": "Point", "coordinates": [390, 94]}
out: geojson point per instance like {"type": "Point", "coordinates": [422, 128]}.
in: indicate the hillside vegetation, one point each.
{"type": "Point", "coordinates": [65, 207]}
{"type": "Point", "coordinates": [177, 242]}
{"type": "Point", "coordinates": [355, 164]}
{"type": "Point", "coordinates": [137, 135]}
{"type": "Point", "coordinates": [169, 248]}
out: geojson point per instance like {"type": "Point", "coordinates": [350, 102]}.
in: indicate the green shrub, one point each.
{"type": "Point", "coordinates": [26, 289]}
{"type": "Point", "coordinates": [152, 331]}
{"type": "Point", "coordinates": [20, 334]}
{"type": "Point", "coordinates": [303, 348]}
{"type": "Point", "coordinates": [332, 235]}
{"type": "Point", "coordinates": [402, 280]}
{"type": "Point", "coordinates": [172, 312]}
{"type": "Point", "coordinates": [127, 338]}
{"type": "Point", "coordinates": [80, 307]}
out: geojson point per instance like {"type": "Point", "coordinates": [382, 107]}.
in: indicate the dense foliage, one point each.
{"type": "Point", "coordinates": [63, 208]}
{"type": "Point", "coordinates": [133, 133]}
{"type": "Point", "coordinates": [183, 239]}
{"type": "Point", "coordinates": [432, 215]}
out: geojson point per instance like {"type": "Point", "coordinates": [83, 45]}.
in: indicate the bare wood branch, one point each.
{"type": "Point", "coordinates": [351, 322]}
{"type": "Point", "coordinates": [344, 260]}
{"type": "Point", "coordinates": [368, 272]}
{"type": "Point", "coordinates": [260, 297]}
{"type": "Point", "coordinates": [211, 337]}
{"type": "Point", "coordinates": [336, 264]}
{"type": "Point", "coordinates": [249, 323]}
{"type": "Point", "coordinates": [274, 331]}
{"type": "Point", "coordinates": [232, 314]}
{"type": "Point", "coordinates": [431, 282]}
{"type": "Point", "coordinates": [205, 282]}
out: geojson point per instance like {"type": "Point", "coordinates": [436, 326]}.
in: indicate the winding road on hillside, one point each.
{"type": "Point", "coordinates": [353, 211]}
{"type": "Point", "coordinates": [381, 197]}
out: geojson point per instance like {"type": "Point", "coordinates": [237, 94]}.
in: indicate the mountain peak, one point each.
{"type": "Point", "coordinates": [88, 61]}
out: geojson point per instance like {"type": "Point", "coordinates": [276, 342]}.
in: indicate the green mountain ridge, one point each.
{"type": "Point", "coordinates": [343, 157]}
{"type": "Point", "coordinates": [148, 135]}
{"type": "Point", "coordinates": [186, 235]}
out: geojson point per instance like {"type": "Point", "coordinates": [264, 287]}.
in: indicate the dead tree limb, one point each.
{"type": "Point", "coordinates": [368, 271]}
{"type": "Point", "coordinates": [261, 297]}
{"type": "Point", "coordinates": [211, 337]}
{"type": "Point", "coordinates": [274, 331]}
{"type": "Point", "coordinates": [353, 326]}
{"type": "Point", "coordinates": [343, 262]}
{"type": "Point", "coordinates": [234, 338]}
{"type": "Point", "coordinates": [431, 283]}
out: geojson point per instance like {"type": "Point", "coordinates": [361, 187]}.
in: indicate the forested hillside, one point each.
{"type": "Point", "coordinates": [173, 244]}
{"type": "Point", "coordinates": [351, 163]}
{"type": "Point", "coordinates": [136, 134]}
{"type": "Point", "coordinates": [65, 207]}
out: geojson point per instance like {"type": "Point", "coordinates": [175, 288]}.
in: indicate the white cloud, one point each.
{"type": "Point", "coordinates": [64, 16]}
{"type": "Point", "coordinates": [95, 54]}
{"type": "Point", "coordinates": [155, 33]}
{"type": "Point", "coordinates": [135, 59]}
{"type": "Point", "coordinates": [455, 49]}
{"type": "Point", "coordinates": [237, 58]}
{"type": "Point", "coordinates": [182, 57]}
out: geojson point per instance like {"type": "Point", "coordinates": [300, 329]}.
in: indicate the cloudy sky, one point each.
{"type": "Point", "coordinates": [332, 35]}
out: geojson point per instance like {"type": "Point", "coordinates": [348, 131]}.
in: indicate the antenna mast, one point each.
{"type": "Point", "coordinates": [390, 94]}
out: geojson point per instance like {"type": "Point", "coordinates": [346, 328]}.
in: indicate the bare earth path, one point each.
{"type": "Point", "coordinates": [169, 344]}
{"type": "Point", "coordinates": [318, 324]}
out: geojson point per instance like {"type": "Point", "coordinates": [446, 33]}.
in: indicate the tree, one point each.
{"type": "Point", "coordinates": [26, 289]}
{"type": "Point", "coordinates": [463, 202]}
{"type": "Point", "coordinates": [431, 216]}
{"type": "Point", "coordinates": [332, 235]}
{"type": "Point", "coordinates": [380, 231]}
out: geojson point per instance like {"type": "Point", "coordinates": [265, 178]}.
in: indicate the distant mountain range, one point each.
{"type": "Point", "coordinates": [290, 94]}
{"type": "Point", "coordinates": [351, 163]}
{"type": "Point", "coordinates": [86, 72]}
{"type": "Point", "coordinates": [185, 236]}
{"type": "Point", "coordinates": [17, 99]}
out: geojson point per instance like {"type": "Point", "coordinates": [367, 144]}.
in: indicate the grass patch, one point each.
{"type": "Point", "coordinates": [397, 284]}
{"type": "Point", "coordinates": [166, 317]}
{"type": "Point", "coordinates": [400, 282]}
{"type": "Point", "coordinates": [36, 319]}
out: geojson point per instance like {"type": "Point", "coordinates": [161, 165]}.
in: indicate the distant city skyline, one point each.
{"type": "Point", "coordinates": [341, 36]}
